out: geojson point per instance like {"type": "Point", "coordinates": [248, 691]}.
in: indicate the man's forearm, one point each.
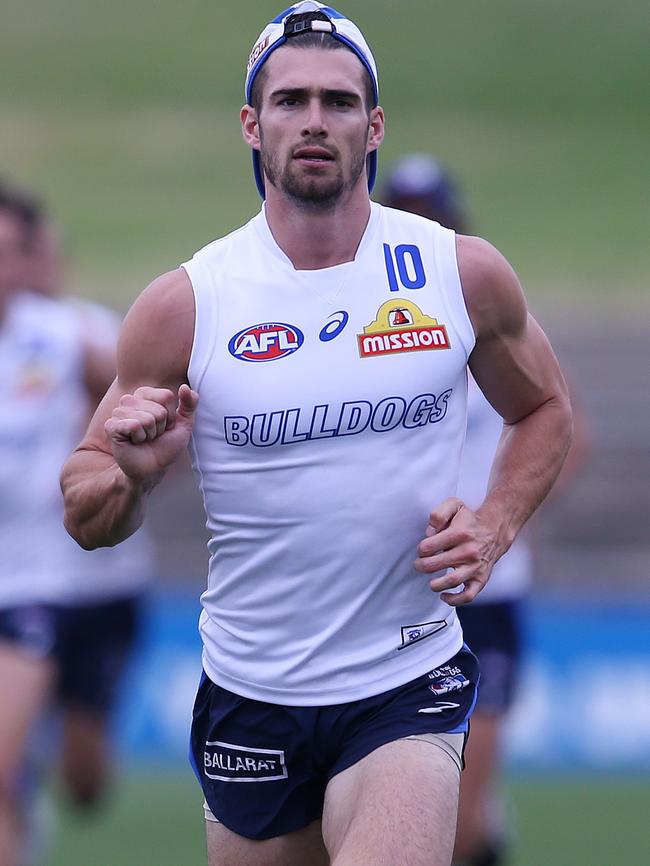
{"type": "Point", "coordinates": [528, 460]}
{"type": "Point", "coordinates": [102, 505]}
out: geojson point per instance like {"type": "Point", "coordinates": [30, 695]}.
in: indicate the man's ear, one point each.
{"type": "Point", "coordinates": [376, 129]}
{"type": "Point", "coordinates": [250, 126]}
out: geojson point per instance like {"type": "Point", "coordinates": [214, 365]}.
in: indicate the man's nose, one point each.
{"type": "Point", "coordinates": [315, 120]}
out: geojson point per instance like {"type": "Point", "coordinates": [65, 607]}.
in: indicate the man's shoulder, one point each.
{"type": "Point", "coordinates": [157, 333]}
{"type": "Point", "coordinates": [167, 296]}
{"type": "Point", "coordinates": [479, 258]}
{"type": "Point", "coordinates": [490, 285]}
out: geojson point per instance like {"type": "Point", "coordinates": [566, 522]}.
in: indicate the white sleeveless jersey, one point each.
{"type": "Point", "coordinates": [512, 575]}
{"type": "Point", "coordinates": [45, 413]}
{"type": "Point", "coordinates": [331, 419]}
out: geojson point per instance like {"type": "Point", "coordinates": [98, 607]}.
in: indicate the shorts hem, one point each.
{"type": "Point", "coordinates": [262, 835]}
{"type": "Point", "coordinates": [350, 761]}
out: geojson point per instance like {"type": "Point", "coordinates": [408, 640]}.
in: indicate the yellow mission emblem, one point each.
{"type": "Point", "coordinates": [401, 326]}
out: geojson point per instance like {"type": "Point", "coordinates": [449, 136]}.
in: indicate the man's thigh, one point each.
{"type": "Point", "coordinates": [396, 805]}
{"type": "Point", "coordinates": [300, 848]}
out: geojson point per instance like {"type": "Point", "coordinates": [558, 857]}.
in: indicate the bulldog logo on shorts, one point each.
{"type": "Point", "coordinates": [230, 763]}
{"type": "Point", "coordinates": [445, 683]}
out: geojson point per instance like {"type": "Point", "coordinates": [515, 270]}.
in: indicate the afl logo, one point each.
{"type": "Point", "coordinates": [266, 342]}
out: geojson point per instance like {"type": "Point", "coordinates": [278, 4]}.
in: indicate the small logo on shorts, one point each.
{"type": "Point", "coordinates": [440, 707]}
{"type": "Point", "coordinates": [230, 763]}
{"type": "Point", "coordinates": [445, 685]}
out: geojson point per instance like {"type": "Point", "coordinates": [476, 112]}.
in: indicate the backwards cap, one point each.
{"type": "Point", "coordinates": [283, 27]}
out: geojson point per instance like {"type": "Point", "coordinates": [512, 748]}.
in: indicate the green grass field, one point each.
{"type": "Point", "coordinates": [156, 821]}
{"type": "Point", "coordinates": [125, 114]}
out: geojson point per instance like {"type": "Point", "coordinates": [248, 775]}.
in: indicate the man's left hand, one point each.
{"type": "Point", "coordinates": [457, 539]}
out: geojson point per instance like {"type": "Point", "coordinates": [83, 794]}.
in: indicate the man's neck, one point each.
{"type": "Point", "coordinates": [318, 239]}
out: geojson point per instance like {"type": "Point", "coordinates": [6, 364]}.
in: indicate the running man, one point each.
{"type": "Point", "coordinates": [316, 361]}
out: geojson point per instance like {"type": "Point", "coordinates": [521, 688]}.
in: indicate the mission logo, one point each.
{"type": "Point", "coordinates": [401, 326]}
{"type": "Point", "coordinates": [266, 342]}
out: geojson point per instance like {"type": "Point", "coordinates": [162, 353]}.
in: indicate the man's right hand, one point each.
{"type": "Point", "coordinates": [149, 430]}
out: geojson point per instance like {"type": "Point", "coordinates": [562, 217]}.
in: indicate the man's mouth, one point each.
{"type": "Point", "coordinates": [313, 154]}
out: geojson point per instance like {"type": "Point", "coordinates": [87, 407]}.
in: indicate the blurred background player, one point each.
{"type": "Point", "coordinates": [493, 623]}
{"type": "Point", "coordinates": [68, 618]}
{"type": "Point", "coordinates": [99, 608]}
{"type": "Point", "coordinates": [420, 184]}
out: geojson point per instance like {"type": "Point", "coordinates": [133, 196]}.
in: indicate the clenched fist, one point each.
{"type": "Point", "coordinates": [149, 430]}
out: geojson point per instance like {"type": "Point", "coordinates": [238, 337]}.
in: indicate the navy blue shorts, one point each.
{"type": "Point", "coordinates": [93, 645]}
{"type": "Point", "coordinates": [288, 754]}
{"type": "Point", "coordinates": [493, 630]}
{"type": "Point", "coordinates": [89, 644]}
{"type": "Point", "coordinates": [30, 628]}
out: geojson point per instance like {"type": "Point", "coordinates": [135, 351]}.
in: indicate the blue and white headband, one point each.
{"type": "Point", "coordinates": [282, 28]}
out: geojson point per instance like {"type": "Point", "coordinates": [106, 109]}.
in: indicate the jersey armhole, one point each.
{"type": "Point", "coordinates": [205, 321]}
{"type": "Point", "coordinates": [449, 275]}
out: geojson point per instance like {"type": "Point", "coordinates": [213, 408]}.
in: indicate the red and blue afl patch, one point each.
{"type": "Point", "coordinates": [266, 342]}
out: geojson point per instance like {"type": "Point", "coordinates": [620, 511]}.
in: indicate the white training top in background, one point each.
{"type": "Point", "coordinates": [512, 575]}
{"type": "Point", "coordinates": [45, 412]}
{"type": "Point", "coordinates": [330, 422]}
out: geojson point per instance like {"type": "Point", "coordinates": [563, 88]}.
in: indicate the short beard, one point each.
{"type": "Point", "coordinates": [310, 194]}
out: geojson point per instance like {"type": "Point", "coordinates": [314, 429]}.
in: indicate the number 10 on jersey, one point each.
{"type": "Point", "coordinates": [404, 262]}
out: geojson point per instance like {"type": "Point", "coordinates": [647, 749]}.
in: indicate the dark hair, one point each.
{"type": "Point", "coordinates": [26, 209]}
{"type": "Point", "coordinates": [312, 39]}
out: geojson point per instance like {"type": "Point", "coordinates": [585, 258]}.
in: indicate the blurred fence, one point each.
{"type": "Point", "coordinates": [584, 701]}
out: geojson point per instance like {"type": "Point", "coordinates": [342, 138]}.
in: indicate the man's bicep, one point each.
{"type": "Point", "coordinates": [153, 349]}
{"type": "Point", "coordinates": [156, 337]}
{"type": "Point", "coordinates": [517, 372]}
{"type": "Point", "coordinates": [512, 361]}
